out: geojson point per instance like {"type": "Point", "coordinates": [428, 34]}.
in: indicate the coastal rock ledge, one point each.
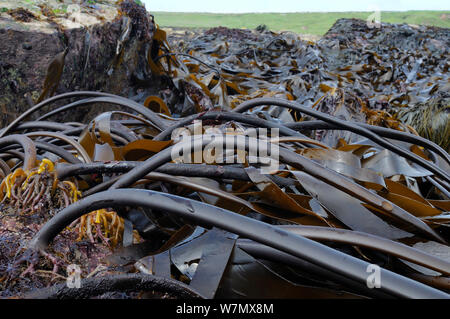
{"type": "Point", "coordinates": [107, 44]}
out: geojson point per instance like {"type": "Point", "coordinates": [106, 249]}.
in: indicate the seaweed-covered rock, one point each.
{"type": "Point", "coordinates": [382, 74]}
{"type": "Point", "coordinates": [402, 68]}
{"type": "Point", "coordinates": [107, 45]}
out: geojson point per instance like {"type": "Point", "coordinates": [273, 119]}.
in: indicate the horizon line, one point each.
{"type": "Point", "coordinates": [273, 12]}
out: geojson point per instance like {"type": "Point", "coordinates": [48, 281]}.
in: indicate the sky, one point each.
{"type": "Point", "coordinates": [243, 6]}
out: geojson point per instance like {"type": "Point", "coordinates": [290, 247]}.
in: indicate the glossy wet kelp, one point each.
{"type": "Point", "coordinates": [356, 185]}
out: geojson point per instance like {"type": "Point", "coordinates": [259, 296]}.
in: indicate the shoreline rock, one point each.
{"type": "Point", "coordinates": [102, 53]}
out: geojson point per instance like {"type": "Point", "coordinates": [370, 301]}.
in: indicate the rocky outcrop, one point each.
{"type": "Point", "coordinates": [107, 44]}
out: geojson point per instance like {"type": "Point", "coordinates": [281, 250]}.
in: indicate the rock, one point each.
{"type": "Point", "coordinates": [102, 55]}
{"type": "Point", "coordinates": [27, 46]}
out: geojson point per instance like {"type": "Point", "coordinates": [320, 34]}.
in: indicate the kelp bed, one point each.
{"type": "Point", "coordinates": [357, 187]}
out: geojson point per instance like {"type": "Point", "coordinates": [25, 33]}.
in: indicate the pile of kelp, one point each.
{"type": "Point", "coordinates": [165, 197]}
{"type": "Point", "coordinates": [377, 75]}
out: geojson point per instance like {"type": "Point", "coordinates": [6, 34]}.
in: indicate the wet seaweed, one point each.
{"type": "Point", "coordinates": [356, 184]}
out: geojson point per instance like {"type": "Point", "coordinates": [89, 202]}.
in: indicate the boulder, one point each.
{"type": "Point", "coordinates": [107, 45]}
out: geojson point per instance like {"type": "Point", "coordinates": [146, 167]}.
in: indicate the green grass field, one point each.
{"type": "Point", "coordinates": [306, 23]}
